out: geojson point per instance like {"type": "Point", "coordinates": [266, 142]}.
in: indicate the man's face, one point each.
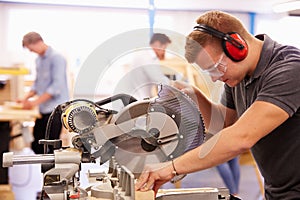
{"type": "Point", "coordinates": [159, 49]}
{"type": "Point", "coordinates": [219, 67]}
{"type": "Point", "coordinates": [36, 48]}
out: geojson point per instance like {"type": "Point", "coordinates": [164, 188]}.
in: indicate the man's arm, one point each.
{"type": "Point", "coordinates": [59, 76]}
{"type": "Point", "coordinates": [259, 120]}
{"type": "Point", "coordinates": [40, 99]}
{"type": "Point", "coordinates": [215, 116]}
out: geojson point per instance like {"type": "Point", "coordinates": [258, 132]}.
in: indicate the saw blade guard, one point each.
{"type": "Point", "coordinates": [189, 119]}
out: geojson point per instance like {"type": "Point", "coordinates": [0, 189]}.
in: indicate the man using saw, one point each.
{"type": "Point", "coordinates": [259, 109]}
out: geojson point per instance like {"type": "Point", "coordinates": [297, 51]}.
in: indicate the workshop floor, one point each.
{"type": "Point", "coordinates": [27, 180]}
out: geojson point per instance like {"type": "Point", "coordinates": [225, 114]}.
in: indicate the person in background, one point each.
{"type": "Point", "coordinates": [50, 88]}
{"type": "Point", "coordinates": [230, 174]}
{"type": "Point", "coordinates": [159, 43]}
{"type": "Point", "coordinates": [144, 72]}
{"type": "Point", "coordinates": [259, 109]}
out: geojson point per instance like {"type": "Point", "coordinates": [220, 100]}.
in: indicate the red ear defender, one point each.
{"type": "Point", "coordinates": [234, 52]}
{"type": "Point", "coordinates": [234, 46]}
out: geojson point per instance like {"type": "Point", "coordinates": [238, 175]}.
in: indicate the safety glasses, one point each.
{"type": "Point", "coordinates": [218, 69]}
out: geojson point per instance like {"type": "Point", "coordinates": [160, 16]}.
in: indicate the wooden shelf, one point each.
{"type": "Point", "coordinates": [14, 70]}
{"type": "Point", "coordinates": [14, 85]}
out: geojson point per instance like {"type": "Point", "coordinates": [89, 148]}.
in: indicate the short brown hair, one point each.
{"type": "Point", "coordinates": [219, 20]}
{"type": "Point", "coordinates": [162, 38]}
{"type": "Point", "coordinates": [31, 38]}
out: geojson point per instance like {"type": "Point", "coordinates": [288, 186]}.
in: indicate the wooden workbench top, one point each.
{"type": "Point", "coordinates": [12, 111]}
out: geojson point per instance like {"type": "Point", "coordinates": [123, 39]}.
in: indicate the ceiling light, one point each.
{"type": "Point", "coordinates": [286, 6]}
{"type": "Point", "coordinates": [92, 3]}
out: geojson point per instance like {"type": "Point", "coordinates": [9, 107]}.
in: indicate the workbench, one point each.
{"type": "Point", "coordinates": [11, 114]}
{"type": "Point", "coordinates": [12, 90]}
{"type": "Point", "coordinates": [11, 111]}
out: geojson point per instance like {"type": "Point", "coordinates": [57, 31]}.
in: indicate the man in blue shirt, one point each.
{"type": "Point", "coordinates": [50, 87]}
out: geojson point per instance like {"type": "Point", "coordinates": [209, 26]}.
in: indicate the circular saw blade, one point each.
{"type": "Point", "coordinates": [189, 119]}
{"type": "Point", "coordinates": [173, 115]}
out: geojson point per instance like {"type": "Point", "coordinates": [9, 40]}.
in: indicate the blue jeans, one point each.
{"type": "Point", "coordinates": [230, 173]}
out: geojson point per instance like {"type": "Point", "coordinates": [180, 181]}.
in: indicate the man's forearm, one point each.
{"type": "Point", "coordinates": [218, 149]}
{"type": "Point", "coordinates": [42, 98]}
{"type": "Point", "coordinates": [213, 114]}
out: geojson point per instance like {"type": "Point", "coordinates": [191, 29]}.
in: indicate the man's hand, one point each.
{"type": "Point", "coordinates": [186, 88]}
{"type": "Point", "coordinates": [28, 105]}
{"type": "Point", "coordinates": [154, 176]}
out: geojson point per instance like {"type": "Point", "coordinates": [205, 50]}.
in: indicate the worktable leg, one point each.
{"type": "Point", "coordinates": [4, 147]}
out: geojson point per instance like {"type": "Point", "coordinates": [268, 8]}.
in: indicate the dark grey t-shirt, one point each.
{"type": "Point", "coordinates": [276, 80]}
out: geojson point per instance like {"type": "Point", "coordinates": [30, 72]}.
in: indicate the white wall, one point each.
{"type": "Point", "coordinates": [77, 31]}
{"type": "Point", "coordinates": [281, 28]}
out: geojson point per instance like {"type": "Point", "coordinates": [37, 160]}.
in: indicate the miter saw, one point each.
{"type": "Point", "coordinates": [143, 132]}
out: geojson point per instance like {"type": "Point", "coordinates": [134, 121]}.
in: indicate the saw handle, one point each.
{"type": "Point", "coordinates": [126, 99]}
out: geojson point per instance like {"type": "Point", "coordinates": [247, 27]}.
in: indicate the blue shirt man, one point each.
{"type": "Point", "coordinates": [51, 79]}
{"type": "Point", "coordinates": [50, 87]}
